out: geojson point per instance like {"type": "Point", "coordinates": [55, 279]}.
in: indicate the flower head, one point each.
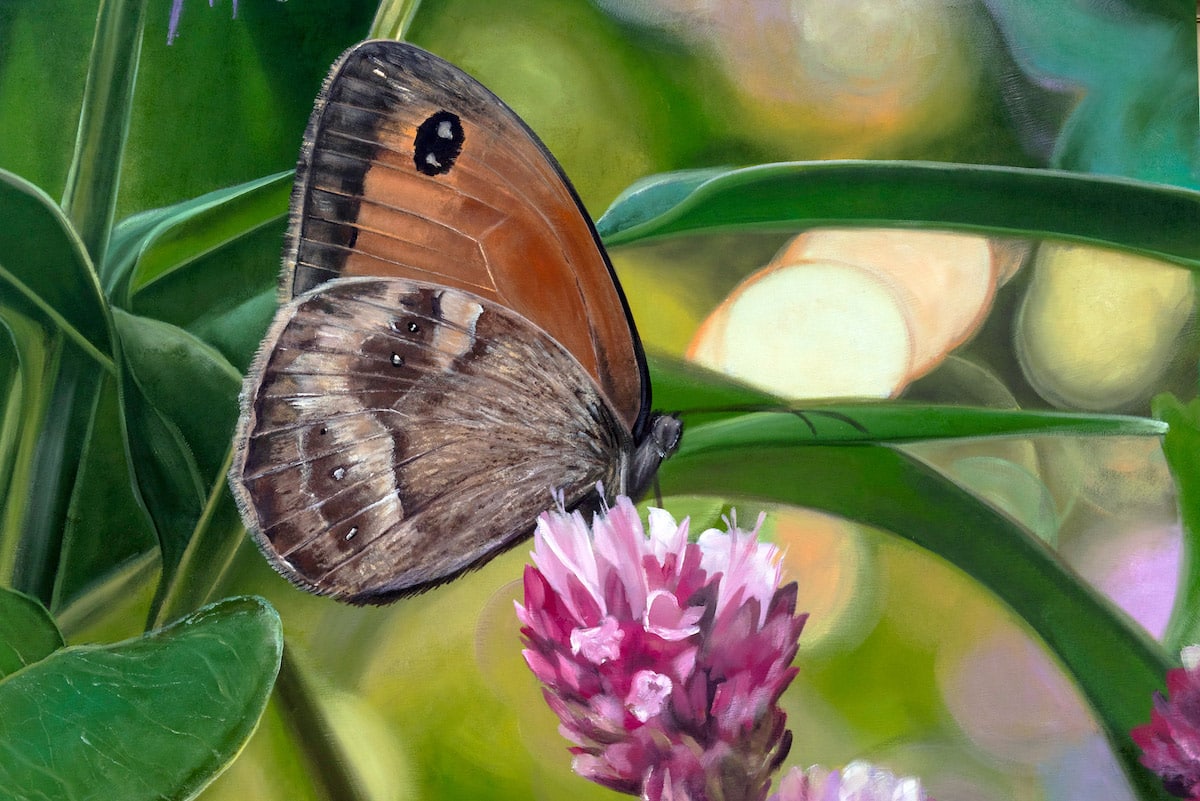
{"type": "Point", "coordinates": [858, 781]}
{"type": "Point", "coordinates": [663, 659]}
{"type": "Point", "coordinates": [1170, 742]}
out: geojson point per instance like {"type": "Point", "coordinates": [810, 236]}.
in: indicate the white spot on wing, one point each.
{"type": "Point", "coordinates": [444, 131]}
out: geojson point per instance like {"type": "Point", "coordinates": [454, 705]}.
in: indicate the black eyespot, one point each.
{"type": "Point", "coordinates": [437, 144]}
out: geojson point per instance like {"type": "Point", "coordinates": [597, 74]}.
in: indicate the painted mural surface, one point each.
{"type": "Point", "coordinates": [882, 312]}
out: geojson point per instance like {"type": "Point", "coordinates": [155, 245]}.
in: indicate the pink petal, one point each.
{"type": "Point", "coordinates": [600, 643]}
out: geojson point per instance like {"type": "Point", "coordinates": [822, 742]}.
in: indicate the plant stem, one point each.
{"type": "Point", "coordinates": [301, 710]}
{"type": "Point", "coordinates": [93, 180]}
{"type": "Point", "coordinates": [210, 551]}
{"type": "Point", "coordinates": [393, 19]}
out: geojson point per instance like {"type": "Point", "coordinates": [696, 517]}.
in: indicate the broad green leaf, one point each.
{"type": "Point", "coordinates": [1115, 664]}
{"type": "Point", "coordinates": [208, 265]}
{"type": "Point", "coordinates": [1182, 449]}
{"type": "Point", "coordinates": [222, 296]}
{"type": "Point", "coordinates": [187, 381]}
{"type": "Point", "coordinates": [237, 332]}
{"type": "Point", "coordinates": [43, 261]}
{"type": "Point", "coordinates": [152, 718]}
{"type": "Point", "coordinates": [156, 243]}
{"type": "Point", "coordinates": [27, 632]}
{"type": "Point", "coordinates": [106, 526]}
{"type": "Point", "coordinates": [1150, 219]}
{"type": "Point", "coordinates": [179, 403]}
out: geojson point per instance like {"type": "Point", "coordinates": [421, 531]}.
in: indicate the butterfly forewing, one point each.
{"type": "Point", "coordinates": [412, 169]}
{"type": "Point", "coordinates": [401, 432]}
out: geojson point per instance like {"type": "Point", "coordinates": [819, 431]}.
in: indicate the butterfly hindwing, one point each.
{"type": "Point", "coordinates": [413, 169]}
{"type": "Point", "coordinates": [396, 433]}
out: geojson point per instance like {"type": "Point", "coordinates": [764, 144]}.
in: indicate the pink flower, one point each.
{"type": "Point", "coordinates": [858, 781]}
{"type": "Point", "coordinates": [1170, 742]}
{"type": "Point", "coordinates": [663, 659]}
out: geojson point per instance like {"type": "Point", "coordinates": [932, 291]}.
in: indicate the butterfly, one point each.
{"type": "Point", "coordinates": [452, 344]}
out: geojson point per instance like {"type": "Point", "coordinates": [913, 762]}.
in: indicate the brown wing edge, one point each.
{"type": "Point", "coordinates": [247, 421]}
{"type": "Point", "coordinates": [300, 196]}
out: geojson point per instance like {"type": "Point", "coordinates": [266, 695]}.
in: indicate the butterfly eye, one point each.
{"type": "Point", "coordinates": [438, 142]}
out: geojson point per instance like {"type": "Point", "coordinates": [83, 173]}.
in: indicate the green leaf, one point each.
{"type": "Point", "coordinates": [105, 525]}
{"type": "Point", "coordinates": [701, 394]}
{"type": "Point", "coordinates": [44, 427]}
{"type": "Point", "coordinates": [1115, 664]}
{"type": "Point", "coordinates": [1182, 449]}
{"type": "Point", "coordinates": [27, 632]}
{"type": "Point", "coordinates": [211, 549]}
{"type": "Point", "coordinates": [153, 718]}
{"type": "Point", "coordinates": [645, 198]}
{"type": "Point", "coordinates": [906, 422]}
{"type": "Point", "coordinates": [187, 382]}
{"type": "Point", "coordinates": [43, 261]}
{"type": "Point", "coordinates": [154, 244]}
{"type": "Point", "coordinates": [179, 401]}
{"type": "Point", "coordinates": [1153, 220]}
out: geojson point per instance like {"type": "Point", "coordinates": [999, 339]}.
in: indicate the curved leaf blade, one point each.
{"type": "Point", "coordinates": [1182, 450]}
{"type": "Point", "coordinates": [43, 261]}
{"type": "Point", "coordinates": [179, 406]}
{"type": "Point", "coordinates": [699, 394]}
{"type": "Point", "coordinates": [156, 243]}
{"type": "Point", "coordinates": [153, 718]}
{"type": "Point", "coordinates": [1117, 666]}
{"type": "Point", "coordinates": [27, 632]}
{"type": "Point", "coordinates": [1151, 219]}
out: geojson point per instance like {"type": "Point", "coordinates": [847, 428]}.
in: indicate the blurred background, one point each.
{"type": "Point", "coordinates": [904, 661]}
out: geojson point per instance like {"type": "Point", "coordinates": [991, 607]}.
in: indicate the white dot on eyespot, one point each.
{"type": "Point", "coordinates": [444, 130]}
{"type": "Point", "coordinates": [397, 359]}
{"type": "Point", "coordinates": [350, 534]}
{"type": "Point", "coordinates": [339, 473]}
{"type": "Point", "coordinates": [431, 160]}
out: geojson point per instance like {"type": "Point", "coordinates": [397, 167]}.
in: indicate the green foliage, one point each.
{"type": "Point", "coordinates": [151, 718]}
{"type": "Point", "coordinates": [123, 344]}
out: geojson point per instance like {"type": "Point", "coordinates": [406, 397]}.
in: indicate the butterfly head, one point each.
{"type": "Point", "coordinates": [660, 441]}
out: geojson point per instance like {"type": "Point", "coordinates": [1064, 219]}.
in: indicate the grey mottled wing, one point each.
{"type": "Point", "coordinates": [396, 433]}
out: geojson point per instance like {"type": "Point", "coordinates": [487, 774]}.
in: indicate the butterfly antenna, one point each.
{"type": "Point", "coordinates": [801, 414]}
